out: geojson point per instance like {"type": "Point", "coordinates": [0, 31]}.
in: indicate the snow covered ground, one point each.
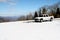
{"type": "Point", "coordinates": [21, 30]}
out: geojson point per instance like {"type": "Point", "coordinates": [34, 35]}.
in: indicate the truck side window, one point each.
{"type": "Point", "coordinates": [46, 15]}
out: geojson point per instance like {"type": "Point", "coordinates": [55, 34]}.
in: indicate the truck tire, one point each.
{"type": "Point", "coordinates": [51, 19]}
{"type": "Point", "coordinates": [41, 20]}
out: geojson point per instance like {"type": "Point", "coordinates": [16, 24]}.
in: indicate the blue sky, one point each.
{"type": "Point", "coordinates": [22, 7]}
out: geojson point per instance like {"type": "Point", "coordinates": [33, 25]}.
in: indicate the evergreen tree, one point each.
{"type": "Point", "coordinates": [44, 11]}
{"type": "Point", "coordinates": [58, 12]}
{"type": "Point", "coordinates": [35, 15]}
{"type": "Point", "coordinates": [40, 13]}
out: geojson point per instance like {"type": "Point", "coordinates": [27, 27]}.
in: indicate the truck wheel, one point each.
{"type": "Point", "coordinates": [41, 20]}
{"type": "Point", "coordinates": [51, 19]}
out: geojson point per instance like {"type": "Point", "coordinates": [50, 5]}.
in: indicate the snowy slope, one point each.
{"type": "Point", "coordinates": [30, 31]}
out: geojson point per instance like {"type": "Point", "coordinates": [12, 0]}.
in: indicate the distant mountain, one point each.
{"type": "Point", "coordinates": [14, 18]}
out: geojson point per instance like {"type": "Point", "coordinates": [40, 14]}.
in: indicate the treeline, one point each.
{"type": "Point", "coordinates": [52, 10]}
{"type": "Point", "coordinates": [26, 17]}
{"type": "Point", "coordinates": [3, 19]}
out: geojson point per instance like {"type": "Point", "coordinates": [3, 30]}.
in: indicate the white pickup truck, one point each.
{"type": "Point", "coordinates": [45, 17]}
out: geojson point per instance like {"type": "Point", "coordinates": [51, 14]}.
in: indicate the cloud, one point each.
{"type": "Point", "coordinates": [3, 0]}
{"type": "Point", "coordinates": [10, 2]}
{"type": "Point", "coordinates": [11, 6]}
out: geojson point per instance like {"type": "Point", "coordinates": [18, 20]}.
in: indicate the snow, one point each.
{"type": "Point", "coordinates": [22, 30]}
